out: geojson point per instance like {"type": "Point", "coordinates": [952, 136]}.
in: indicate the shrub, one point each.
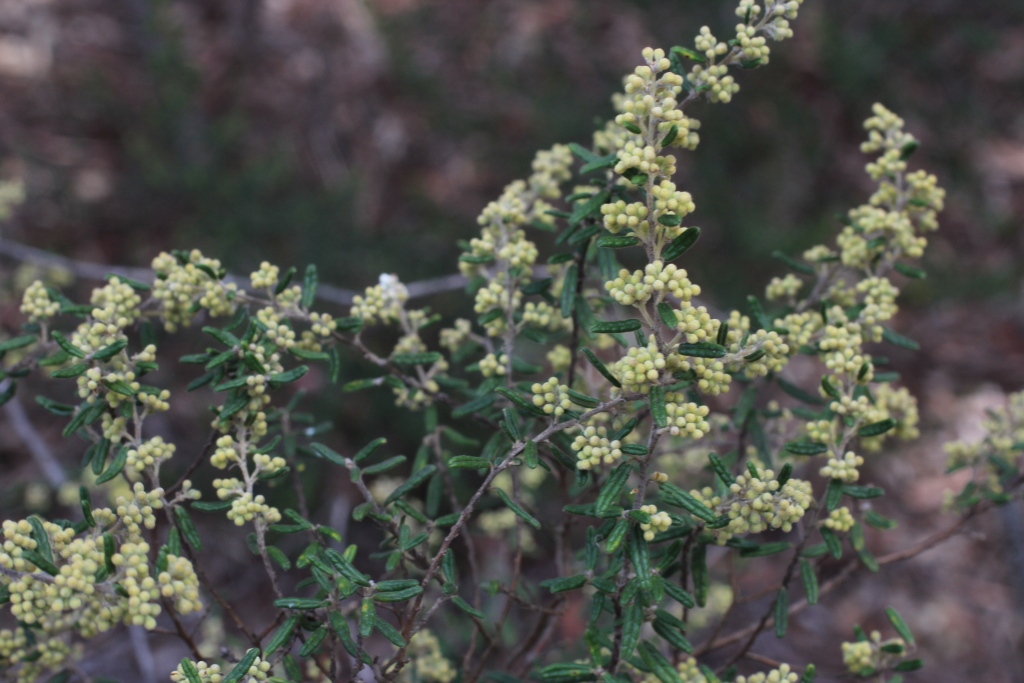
{"type": "Point", "coordinates": [631, 429]}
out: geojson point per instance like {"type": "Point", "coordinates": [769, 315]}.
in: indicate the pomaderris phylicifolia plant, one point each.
{"type": "Point", "coordinates": [659, 433]}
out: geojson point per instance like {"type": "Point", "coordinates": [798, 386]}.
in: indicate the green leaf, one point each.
{"type": "Point", "coordinates": [616, 327]}
{"type": "Point", "coordinates": [469, 462]}
{"type": "Point", "coordinates": [520, 512]}
{"type": "Point", "coordinates": [115, 467]}
{"type": "Point", "coordinates": [600, 367]}
{"type": "Point", "coordinates": [908, 149]}
{"type": "Point", "coordinates": [600, 163]}
{"type": "Point", "coordinates": [399, 595]}
{"type": "Point", "coordinates": [466, 607]}
{"type": "Point", "coordinates": [67, 346]}
{"type": "Point", "coordinates": [70, 372]}
{"type": "Point", "coordinates": [832, 541]}
{"type": "Point", "coordinates": [19, 343]}
{"type": "Point", "coordinates": [792, 263]}
{"type": "Point", "coordinates": [910, 271]}
{"type": "Point", "coordinates": [298, 603]}
{"type": "Point", "coordinates": [289, 376]}
{"type": "Point", "coordinates": [565, 583]}
{"type": "Point", "coordinates": [414, 480]}
{"type": "Point", "coordinates": [702, 350]}
{"type": "Point", "coordinates": [863, 492]}
{"type": "Point", "coordinates": [689, 53]}
{"type": "Point", "coordinates": [281, 636]}
{"type": "Point", "coordinates": [878, 521]}
{"type": "Point", "coordinates": [908, 665]}
{"type": "Point", "coordinates": [568, 291]}
{"type": "Point", "coordinates": [41, 538]}
{"type": "Point", "coordinates": [38, 560]}
{"type": "Point", "coordinates": [834, 494]}
{"type": "Point", "coordinates": [369, 449]}
{"type": "Point", "coordinates": [188, 530]}
{"type": "Point", "coordinates": [900, 625]}
{"type": "Point", "coordinates": [588, 208]}
{"type": "Point", "coordinates": [109, 352]}
{"type": "Point", "coordinates": [54, 407]}
{"type": "Point", "coordinates": [389, 632]}
{"type": "Point", "coordinates": [617, 241]}
{"type": "Point", "coordinates": [721, 470]}
{"type": "Point", "coordinates": [765, 549]}
{"type": "Point", "coordinates": [699, 572]}
{"type": "Point", "coordinates": [119, 387]}
{"type": "Point", "coordinates": [660, 666]}
{"type": "Point", "coordinates": [612, 488]}
{"type": "Point", "coordinates": [876, 428]}
{"type": "Point", "coordinates": [810, 580]}
{"type": "Point", "coordinates": [667, 315]}
{"type": "Point", "coordinates": [681, 244]}
{"type": "Point", "coordinates": [384, 466]}
{"type": "Point", "coordinates": [86, 501]}
{"type": "Point", "coordinates": [781, 613]}
{"type": "Point", "coordinates": [475, 405]}
{"type": "Point", "coordinates": [309, 286]}
{"type": "Point", "coordinates": [340, 627]}
{"type": "Point", "coordinates": [673, 495]}
{"type": "Point", "coordinates": [798, 393]}
{"type": "Point", "coordinates": [190, 671]}
{"type": "Point", "coordinates": [658, 406]}
{"type": "Point", "coordinates": [242, 668]}
{"type": "Point", "coordinates": [806, 447]}
{"type": "Point", "coordinates": [520, 402]}
{"type": "Point", "coordinates": [897, 339]}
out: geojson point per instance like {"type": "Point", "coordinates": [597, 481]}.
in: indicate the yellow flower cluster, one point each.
{"type": "Point", "coordinates": [259, 670]}
{"type": "Point", "coordinates": [245, 507]}
{"type": "Point", "coordinates": [879, 304]}
{"type": "Point", "coordinates": [756, 504]}
{"type": "Point", "coordinates": [865, 657]}
{"type": "Point", "coordinates": [149, 453]}
{"type": "Point", "coordinates": [686, 419]}
{"type": "Point", "coordinates": [696, 324]}
{"type": "Point", "coordinates": [784, 674]}
{"type": "Point", "coordinates": [593, 447]}
{"type": "Point", "coordinates": [426, 661]}
{"type": "Point", "coordinates": [265, 277]}
{"type": "Point", "coordinates": [839, 520]}
{"type": "Point", "coordinates": [382, 302]}
{"type": "Point", "coordinates": [139, 509]}
{"type": "Point", "coordinates": [208, 673]}
{"type": "Point", "coordinates": [491, 365]}
{"type": "Point", "coordinates": [36, 304]}
{"type": "Point", "coordinates": [660, 521]}
{"type": "Point", "coordinates": [783, 288]}
{"type": "Point", "coordinates": [452, 338]}
{"type": "Point", "coordinates": [183, 283]}
{"type": "Point", "coordinates": [640, 367]}
{"type": "Point", "coordinates": [619, 215]}
{"type": "Point", "coordinates": [843, 469]}
{"type": "Point", "coordinates": [551, 397]}
{"type": "Point", "coordinates": [545, 317]}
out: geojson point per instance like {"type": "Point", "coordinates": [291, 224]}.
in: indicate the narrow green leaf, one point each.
{"type": "Point", "coordinates": [810, 581]}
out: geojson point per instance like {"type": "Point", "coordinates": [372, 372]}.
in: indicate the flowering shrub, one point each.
{"type": "Point", "coordinates": [650, 434]}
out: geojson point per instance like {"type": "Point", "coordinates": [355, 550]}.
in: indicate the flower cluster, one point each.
{"type": "Point", "coordinates": [381, 302]}
{"type": "Point", "coordinates": [865, 657]}
{"type": "Point", "coordinates": [839, 520]}
{"type": "Point", "coordinates": [660, 521]}
{"type": "Point", "coordinates": [36, 304]}
{"type": "Point", "coordinates": [844, 469]}
{"type": "Point", "coordinates": [593, 447]}
{"type": "Point", "coordinates": [757, 503]}
{"type": "Point", "coordinates": [186, 279]}
{"type": "Point", "coordinates": [551, 397]}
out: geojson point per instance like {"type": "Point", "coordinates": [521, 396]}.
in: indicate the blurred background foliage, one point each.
{"type": "Point", "coordinates": [365, 137]}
